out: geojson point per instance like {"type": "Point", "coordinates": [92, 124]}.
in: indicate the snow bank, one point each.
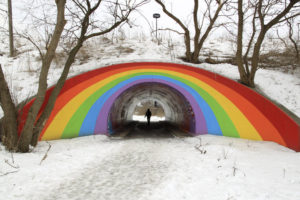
{"type": "Point", "coordinates": [97, 167]}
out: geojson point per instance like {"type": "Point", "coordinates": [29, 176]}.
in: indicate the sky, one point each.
{"type": "Point", "coordinates": [144, 23]}
{"type": "Point", "coordinates": [142, 19]}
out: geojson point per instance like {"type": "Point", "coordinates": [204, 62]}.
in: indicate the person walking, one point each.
{"type": "Point", "coordinates": [148, 115]}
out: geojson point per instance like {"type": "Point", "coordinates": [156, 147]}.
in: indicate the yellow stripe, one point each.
{"type": "Point", "coordinates": [61, 119]}
{"type": "Point", "coordinates": [242, 124]}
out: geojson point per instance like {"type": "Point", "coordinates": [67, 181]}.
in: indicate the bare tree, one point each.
{"type": "Point", "coordinates": [209, 17]}
{"type": "Point", "coordinates": [10, 126]}
{"type": "Point", "coordinates": [10, 29]}
{"type": "Point", "coordinates": [295, 42]}
{"type": "Point", "coordinates": [3, 17]}
{"type": "Point", "coordinates": [265, 14]}
{"type": "Point", "coordinates": [290, 41]}
{"type": "Point", "coordinates": [26, 134]}
{"type": "Point", "coordinates": [83, 26]}
{"type": "Point", "coordinates": [7, 26]}
{"type": "Point", "coordinates": [122, 11]}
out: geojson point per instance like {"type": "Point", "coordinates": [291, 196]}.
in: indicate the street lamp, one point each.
{"type": "Point", "coordinates": [156, 16]}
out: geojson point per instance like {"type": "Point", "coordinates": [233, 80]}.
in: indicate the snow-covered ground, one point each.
{"type": "Point", "coordinates": [97, 167]}
{"type": "Point", "coordinates": [141, 118]}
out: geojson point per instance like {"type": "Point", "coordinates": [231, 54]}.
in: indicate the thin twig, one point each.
{"type": "Point", "coordinates": [46, 154]}
{"type": "Point", "coordinates": [7, 162]}
{"type": "Point", "coordinates": [8, 173]}
{"type": "Point", "coordinates": [169, 29]}
{"type": "Point", "coordinates": [234, 170]}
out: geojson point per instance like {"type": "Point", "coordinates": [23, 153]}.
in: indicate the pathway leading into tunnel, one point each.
{"type": "Point", "coordinates": [159, 168]}
{"type": "Point", "coordinates": [134, 171]}
{"type": "Point", "coordinates": [160, 129]}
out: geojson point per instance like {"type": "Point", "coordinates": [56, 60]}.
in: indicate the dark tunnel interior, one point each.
{"type": "Point", "coordinates": [166, 104]}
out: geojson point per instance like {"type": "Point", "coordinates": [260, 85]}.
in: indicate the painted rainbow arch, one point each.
{"type": "Point", "coordinates": [221, 106]}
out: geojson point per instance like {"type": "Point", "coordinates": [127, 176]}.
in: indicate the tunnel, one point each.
{"type": "Point", "coordinates": [165, 102]}
{"type": "Point", "coordinates": [202, 102]}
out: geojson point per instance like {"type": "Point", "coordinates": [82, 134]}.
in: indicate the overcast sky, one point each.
{"type": "Point", "coordinates": [143, 19]}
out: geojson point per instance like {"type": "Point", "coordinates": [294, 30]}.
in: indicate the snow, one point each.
{"type": "Point", "coordinates": [142, 118]}
{"type": "Point", "coordinates": [98, 167]}
{"type": "Point", "coordinates": [281, 86]}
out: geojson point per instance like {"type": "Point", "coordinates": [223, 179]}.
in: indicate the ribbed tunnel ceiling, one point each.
{"type": "Point", "coordinates": [175, 106]}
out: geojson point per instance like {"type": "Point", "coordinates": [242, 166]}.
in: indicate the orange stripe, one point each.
{"type": "Point", "coordinates": [64, 98]}
{"type": "Point", "coordinates": [256, 118]}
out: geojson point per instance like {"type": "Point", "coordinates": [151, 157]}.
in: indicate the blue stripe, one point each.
{"type": "Point", "coordinates": [89, 122]}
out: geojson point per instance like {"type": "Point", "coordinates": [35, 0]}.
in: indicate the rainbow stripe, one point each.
{"type": "Point", "coordinates": [221, 106]}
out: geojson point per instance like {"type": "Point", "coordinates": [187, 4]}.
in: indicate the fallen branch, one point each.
{"type": "Point", "coordinates": [8, 173]}
{"type": "Point", "coordinates": [200, 148]}
{"type": "Point", "coordinates": [7, 162]}
{"type": "Point", "coordinates": [202, 151]}
{"type": "Point", "coordinates": [234, 170]}
{"type": "Point", "coordinates": [46, 154]}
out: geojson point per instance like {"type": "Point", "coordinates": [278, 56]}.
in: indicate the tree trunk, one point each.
{"type": "Point", "coordinates": [187, 40]}
{"type": "Point", "coordinates": [10, 30]}
{"type": "Point", "coordinates": [9, 121]}
{"type": "Point", "coordinates": [26, 135]}
{"type": "Point", "coordinates": [197, 32]}
{"type": "Point", "coordinates": [199, 43]}
{"type": "Point", "coordinates": [247, 78]}
{"type": "Point", "coordinates": [294, 42]}
{"type": "Point", "coordinates": [46, 113]}
{"type": "Point", "coordinates": [255, 57]}
{"type": "Point", "coordinates": [239, 52]}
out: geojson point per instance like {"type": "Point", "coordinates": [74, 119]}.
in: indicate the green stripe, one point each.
{"type": "Point", "coordinates": [73, 127]}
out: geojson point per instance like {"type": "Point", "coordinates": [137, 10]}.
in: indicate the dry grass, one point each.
{"type": "Point", "coordinates": [59, 58]}
{"type": "Point", "coordinates": [275, 59]}
{"type": "Point", "coordinates": [83, 55]}
{"type": "Point", "coordinates": [124, 50]}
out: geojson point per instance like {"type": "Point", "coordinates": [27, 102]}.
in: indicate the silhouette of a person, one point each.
{"type": "Point", "coordinates": [148, 115]}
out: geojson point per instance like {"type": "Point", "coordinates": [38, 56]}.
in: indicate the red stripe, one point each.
{"type": "Point", "coordinates": [288, 129]}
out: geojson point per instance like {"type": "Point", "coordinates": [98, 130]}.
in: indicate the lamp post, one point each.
{"type": "Point", "coordinates": [156, 16]}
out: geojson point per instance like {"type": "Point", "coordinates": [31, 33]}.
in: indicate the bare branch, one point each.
{"type": "Point", "coordinates": [281, 39]}
{"type": "Point", "coordinates": [46, 154]}
{"type": "Point", "coordinates": [169, 29]}
{"type": "Point", "coordinates": [289, 18]}
{"type": "Point", "coordinates": [27, 37]}
{"type": "Point", "coordinates": [177, 20]}
{"type": "Point", "coordinates": [16, 167]}
{"type": "Point", "coordinates": [85, 24]}
{"type": "Point", "coordinates": [4, 174]}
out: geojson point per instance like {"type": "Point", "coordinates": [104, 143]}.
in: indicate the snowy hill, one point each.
{"type": "Point", "coordinates": [281, 85]}
{"type": "Point", "coordinates": [98, 167]}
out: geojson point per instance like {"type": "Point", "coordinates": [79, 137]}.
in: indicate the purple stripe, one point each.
{"type": "Point", "coordinates": [102, 119]}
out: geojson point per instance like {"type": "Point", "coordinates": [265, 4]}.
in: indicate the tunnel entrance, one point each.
{"type": "Point", "coordinates": [168, 106]}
